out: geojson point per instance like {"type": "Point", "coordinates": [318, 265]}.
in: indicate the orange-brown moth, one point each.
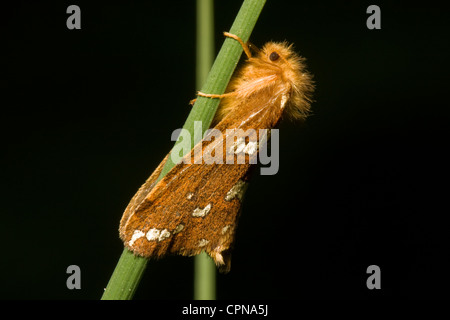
{"type": "Point", "coordinates": [195, 207]}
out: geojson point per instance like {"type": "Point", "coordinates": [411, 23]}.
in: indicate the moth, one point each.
{"type": "Point", "coordinates": [196, 206]}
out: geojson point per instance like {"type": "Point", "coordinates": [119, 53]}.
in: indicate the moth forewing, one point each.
{"type": "Point", "coordinates": [137, 199]}
{"type": "Point", "coordinates": [195, 207]}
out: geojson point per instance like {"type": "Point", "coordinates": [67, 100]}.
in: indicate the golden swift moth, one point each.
{"type": "Point", "coordinates": [195, 207]}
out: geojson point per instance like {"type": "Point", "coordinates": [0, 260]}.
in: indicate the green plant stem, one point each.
{"type": "Point", "coordinates": [204, 267]}
{"type": "Point", "coordinates": [126, 277]}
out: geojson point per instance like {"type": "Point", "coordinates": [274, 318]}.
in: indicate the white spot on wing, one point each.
{"type": "Point", "coordinates": [156, 234]}
{"type": "Point", "coordinates": [240, 146]}
{"type": "Point", "coordinates": [153, 234]}
{"type": "Point", "coordinates": [217, 256]}
{"type": "Point", "coordinates": [236, 191]}
{"type": "Point", "coordinates": [178, 228]}
{"type": "Point", "coordinates": [284, 99]}
{"type": "Point", "coordinates": [203, 242]}
{"type": "Point", "coordinates": [201, 212]}
{"type": "Point", "coordinates": [237, 146]}
{"type": "Point", "coordinates": [225, 229]}
{"type": "Point", "coordinates": [251, 147]}
{"type": "Point", "coordinates": [189, 196]}
{"type": "Point", "coordinates": [164, 235]}
{"type": "Point", "coordinates": [136, 235]}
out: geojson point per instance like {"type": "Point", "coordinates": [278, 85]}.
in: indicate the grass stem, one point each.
{"type": "Point", "coordinates": [204, 267]}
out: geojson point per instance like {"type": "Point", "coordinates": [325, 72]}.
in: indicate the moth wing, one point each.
{"type": "Point", "coordinates": [194, 207]}
{"type": "Point", "coordinates": [143, 191]}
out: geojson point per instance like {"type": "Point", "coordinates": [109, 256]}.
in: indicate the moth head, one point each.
{"type": "Point", "coordinates": [277, 53]}
{"type": "Point", "coordinates": [292, 69]}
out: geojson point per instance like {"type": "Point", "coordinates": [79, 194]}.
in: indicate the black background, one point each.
{"type": "Point", "coordinates": [87, 115]}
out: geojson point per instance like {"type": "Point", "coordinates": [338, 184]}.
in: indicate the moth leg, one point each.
{"type": "Point", "coordinates": [244, 45]}
{"type": "Point", "coordinates": [212, 96]}
{"type": "Point", "coordinates": [220, 96]}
